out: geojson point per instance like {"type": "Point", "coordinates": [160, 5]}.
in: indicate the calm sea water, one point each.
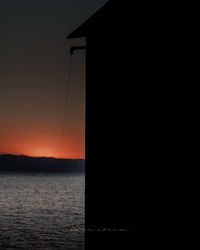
{"type": "Point", "coordinates": [42, 211]}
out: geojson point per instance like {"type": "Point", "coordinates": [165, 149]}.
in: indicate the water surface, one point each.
{"type": "Point", "coordinates": [42, 211]}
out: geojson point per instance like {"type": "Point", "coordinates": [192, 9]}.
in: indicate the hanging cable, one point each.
{"type": "Point", "coordinates": [68, 52]}
{"type": "Point", "coordinates": [66, 104]}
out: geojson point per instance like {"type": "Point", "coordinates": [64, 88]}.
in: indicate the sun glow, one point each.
{"type": "Point", "coordinates": [43, 146]}
{"type": "Point", "coordinates": [42, 152]}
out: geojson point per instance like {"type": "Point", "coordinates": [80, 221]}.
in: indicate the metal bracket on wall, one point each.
{"type": "Point", "coordinates": [73, 48]}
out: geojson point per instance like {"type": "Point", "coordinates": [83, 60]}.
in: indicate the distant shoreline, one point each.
{"type": "Point", "coordinates": [14, 163]}
{"type": "Point", "coordinates": [40, 157]}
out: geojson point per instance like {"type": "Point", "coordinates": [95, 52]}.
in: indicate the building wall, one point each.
{"type": "Point", "coordinates": [105, 162]}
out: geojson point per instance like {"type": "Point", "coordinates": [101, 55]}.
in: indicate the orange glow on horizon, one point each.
{"type": "Point", "coordinates": [44, 146]}
{"type": "Point", "coordinates": [46, 153]}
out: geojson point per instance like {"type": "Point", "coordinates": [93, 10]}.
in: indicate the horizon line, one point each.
{"type": "Point", "coordinates": [47, 157]}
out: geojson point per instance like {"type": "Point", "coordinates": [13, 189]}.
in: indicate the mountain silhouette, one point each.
{"type": "Point", "coordinates": [13, 163]}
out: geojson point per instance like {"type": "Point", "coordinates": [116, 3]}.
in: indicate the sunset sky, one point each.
{"type": "Point", "coordinates": [33, 77]}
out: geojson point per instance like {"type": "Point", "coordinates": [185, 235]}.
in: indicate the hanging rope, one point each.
{"type": "Point", "coordinates": [67, 87]}
{"type": "Point", "coordinates": [67, 92]}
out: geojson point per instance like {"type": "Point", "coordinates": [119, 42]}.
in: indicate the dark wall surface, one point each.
{"type": "Point", "coordinates": [108, 189]}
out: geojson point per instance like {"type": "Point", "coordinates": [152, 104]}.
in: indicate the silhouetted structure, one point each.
{"type": "Point", "coordinates": [106, 170]}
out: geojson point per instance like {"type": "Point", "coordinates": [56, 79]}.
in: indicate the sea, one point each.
{"type": "Point", "coordinates": [42, 211]}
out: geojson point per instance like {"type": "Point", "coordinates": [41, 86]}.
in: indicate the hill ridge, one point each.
{"type": "Point", "coordinates": [23, 163]}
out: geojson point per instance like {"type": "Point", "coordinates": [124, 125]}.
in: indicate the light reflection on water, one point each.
{"type": "Point", "coordinates": [42, 211]}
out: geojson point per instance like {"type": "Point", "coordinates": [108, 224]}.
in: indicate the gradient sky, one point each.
{"type": "Point", "coordinates": [33, 77]}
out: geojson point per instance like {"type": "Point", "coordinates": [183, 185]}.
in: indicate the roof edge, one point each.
{"type": "Point", "coordinates": [80, 31]}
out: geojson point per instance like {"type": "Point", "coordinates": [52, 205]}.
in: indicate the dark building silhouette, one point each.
{"type": "Point", "coordinates": [132, 112]}
{"type": "Point", "coordinates": [107, 192]}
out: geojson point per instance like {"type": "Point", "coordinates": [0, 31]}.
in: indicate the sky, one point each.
{"type": "Point", "coordinates": [34, 73]}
